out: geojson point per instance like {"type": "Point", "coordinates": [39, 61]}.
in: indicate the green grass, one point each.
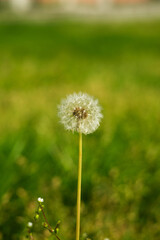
{"type": "Point", "coordinates": [120, 65]}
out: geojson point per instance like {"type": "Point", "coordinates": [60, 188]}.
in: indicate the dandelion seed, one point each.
{"type": "Point", "coordinates": [80, 112]}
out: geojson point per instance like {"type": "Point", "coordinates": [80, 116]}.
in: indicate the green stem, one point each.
{"type": "Point", "coordinates": [50, 228]}
{"type": "Point", "coordinates": [79, 187]}
{"type": "Point", "coordinates": [30, 235]}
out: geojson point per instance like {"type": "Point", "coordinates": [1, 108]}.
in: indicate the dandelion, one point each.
{"type": "Point", "coordinates": [80, 113]}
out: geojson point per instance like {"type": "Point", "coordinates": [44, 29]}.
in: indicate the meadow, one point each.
{"type": "Point", "coordinates": [118, 63]}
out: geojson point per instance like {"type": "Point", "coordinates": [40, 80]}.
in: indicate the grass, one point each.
{"type": "Point", "coordinates": [117, 63]}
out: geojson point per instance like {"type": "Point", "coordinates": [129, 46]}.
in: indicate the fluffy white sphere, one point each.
{"type": "Point", "coordinates": [80, 112]}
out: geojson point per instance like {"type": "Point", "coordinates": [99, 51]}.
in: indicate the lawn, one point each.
{"type": "Point", "coordinates": [118, 63]}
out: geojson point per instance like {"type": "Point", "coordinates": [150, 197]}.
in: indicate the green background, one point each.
{"type": "Point", "coordinates": [118, 63]}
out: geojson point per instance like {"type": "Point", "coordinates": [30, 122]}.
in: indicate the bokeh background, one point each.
{"type": "Point", "coordinates": [118, 62]}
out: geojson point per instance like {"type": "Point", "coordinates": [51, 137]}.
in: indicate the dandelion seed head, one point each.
{"type": "Point", "coordinates": [80, 112]}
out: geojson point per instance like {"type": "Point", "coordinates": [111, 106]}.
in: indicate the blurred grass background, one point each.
{"type": "Point", "coordinates": [118, 63]}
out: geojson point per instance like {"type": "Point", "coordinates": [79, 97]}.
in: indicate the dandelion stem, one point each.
{"type": "Point", "coordinates": [79, 187]}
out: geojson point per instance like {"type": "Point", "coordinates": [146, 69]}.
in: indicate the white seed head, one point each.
{"type": "Point", "coordinates": [40, 200]}
{"type": "Point", "coordinates": [80, 112]}
{"type": "Point", "coordinates": [30, 224]}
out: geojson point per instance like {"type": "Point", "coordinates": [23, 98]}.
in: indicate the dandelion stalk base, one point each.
{"type": "Point", "coordinates": [79, 188]}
